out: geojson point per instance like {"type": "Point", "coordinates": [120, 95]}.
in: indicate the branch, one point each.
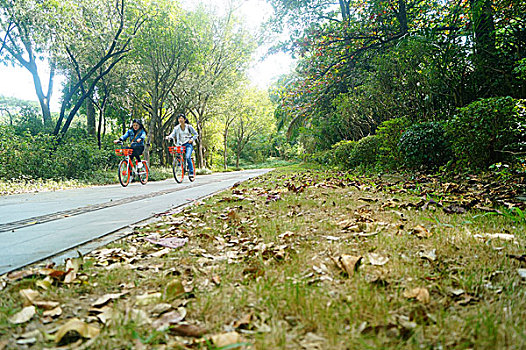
{"type": "Point", "coordinates": [4, 41]}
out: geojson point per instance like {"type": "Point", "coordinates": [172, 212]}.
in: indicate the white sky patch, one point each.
{"type": "Point", "coordinates": [18, 82]}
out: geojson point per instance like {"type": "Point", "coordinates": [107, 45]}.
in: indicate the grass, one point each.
{"type": "Point", "coordinates": [264, 259]}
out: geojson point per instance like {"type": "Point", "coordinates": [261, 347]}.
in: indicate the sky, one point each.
{"type": "Point", "coordinates": [17, 81]}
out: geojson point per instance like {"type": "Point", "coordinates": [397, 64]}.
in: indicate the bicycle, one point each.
{"type": "Point", "coordinates": [128, 170]}
{"type": "Point", "coordinates": [179, 165]}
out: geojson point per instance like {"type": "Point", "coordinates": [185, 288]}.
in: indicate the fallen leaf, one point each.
{"type": "Point", "coordinates": [106, 298]}
{"type": "Point", "coordinates": [74, 328]}
{"type": "Point", "coordinates": [216, 280]}
{"type": "Point", "coordinates": [147, 299]}
{"type": "Point", "coordinates": [29, 296]}
{"type": "Point", "coordinates": [168, 319]}
{"type": "Point", "coordinates": [187, 330]}
{"type": "Point", "coordinates": [350, 263]}
{"type": "Point", "coordinates": [169, 242]}
{"type": "Point", "coordinates": [430, 255]}
{"type": "Point", "coordinates": [18, 275]}
{"type": "Point", "coordinates": [46, 305]}
{"type": "Point", "coordinates": [173, 289]}
{"type": "Point", "coordinates": [503, 236]}
{"type": "Point", "coordinates": [377, 260]}
{"type": "Point", "coordinates": [421, 232]}
{"type": "Point", "coordinates": [72, 268]}
{"type": "Point", "coordinates": [420, 294]}
{"type": "Point", "coordinates": [53, 312]}
{"type": "Point", "coordinates": [226, 339]}
{"type": "Point", "coordinates": [243, 322]}
{"type": "Point", "coordinates": [24, 315]}
{"type": "Point", "coordinates": [45, 283]}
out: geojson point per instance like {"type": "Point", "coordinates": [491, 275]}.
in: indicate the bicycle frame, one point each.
{"type": "Point", "coordinates": [179, 165]}
{"type": "Point", "coordinates": [128, 170]}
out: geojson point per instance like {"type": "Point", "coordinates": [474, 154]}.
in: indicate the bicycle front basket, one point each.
{"type": "Point", "coordinates": [123, 152]}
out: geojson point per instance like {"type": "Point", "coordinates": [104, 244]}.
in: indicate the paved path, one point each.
{"type": "Point", "coordinates": [38, 226]}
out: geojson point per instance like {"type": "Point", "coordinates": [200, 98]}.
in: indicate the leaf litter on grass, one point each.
{"type": "Point", "coordinates": [304, 260]}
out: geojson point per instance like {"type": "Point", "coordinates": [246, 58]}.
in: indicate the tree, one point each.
{"type": "Point", "coordinates": [225, 49]}
{"type": "Point", "coordinates": [97, 42]}
{"type": "Point", "coordinates": [29, 28]}
{"type": "Point", "coordinates": [255, 117]}
{"type": "Point", "coordinates": [164, 51]}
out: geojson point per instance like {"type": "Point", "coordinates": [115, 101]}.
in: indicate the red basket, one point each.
{"type": "Point", "coordinates": [176, 149]}
{"type": "Point", "coordinates": [124, 152]}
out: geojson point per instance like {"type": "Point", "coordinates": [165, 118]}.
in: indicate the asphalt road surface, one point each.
{"type": "Point", "coordinates": [55, 225]}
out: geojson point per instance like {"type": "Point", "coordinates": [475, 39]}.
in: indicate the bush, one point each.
{"type": "Point", "coordinates": [425, 145]}
{"type": "Point", "coordinates": [325, 157]}
{"type": "Point", "coordinates": [389, 133]}
{"type": "Point", "coordinates": [365, 152]}
{"type": "Point", "coordinates": [488, 131]}
{"type": "Point", "coordinates": [341, 153]}
{"type": "Point", "coordinates": [40, 156]}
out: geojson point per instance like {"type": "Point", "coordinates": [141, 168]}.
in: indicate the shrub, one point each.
{"type": "Point", "coordinates": [424, 145]}
{"type": "Point", "coordinates": [365, 152]}
{"type": "Point", "coordinates": [40, 156]}
{"type": "Point", "coordinates": [389, 133]}
{"type": "Point", "coordinates": [341, 153]}
{"type": "Point", "coordinates": [488, 131]}
{"type": "Point", "coordinates": [321, 157]}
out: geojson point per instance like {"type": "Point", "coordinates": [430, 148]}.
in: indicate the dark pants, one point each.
{"type": "Point", "coordinates": [137, 151]}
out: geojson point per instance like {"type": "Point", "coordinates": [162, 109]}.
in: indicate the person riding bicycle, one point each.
{"type": "Point", "coordinates": [137, 135]}
{"type": "Point", "coordinates": [184, 134]}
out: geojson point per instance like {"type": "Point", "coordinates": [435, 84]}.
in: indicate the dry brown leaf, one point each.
{"type": "Point", "coordinates": [421, 232]}
{"type": "Point", "coordinates": [243, 322]}
{"type": "Point", "coordinates": [73, 329]}
{"type": "Point", "coordinates": [53, 312]}
{"type": "Point", "coordinates": [46, 305]}
{"type": "Point", "coordinates": [170, 318]}
{"type": "Point", "coordinates": [106, 298]}
{"type": "Point", "coordinates": [226, 339]}
{"type": "Point", "coordinates": [420, 294]}
{"type": "Point", "coordinates": [72, 268]}
{"type": "Point", "coordinates": [18, 275]}
{"type": "Point", "coordinates": [350, 263]}
{"type": "Point", "coordinates": [29, 296]}
{"type": "Point", "coordinates": [147, 299]}
{"type": "Point", "coordinates": [377, 260]}
{"type": "Point", "coordinates": [187, 330]}
{"type": "Point", "coordinates": [216, 279]}
{"type": "Point", "coordinates": [24, 315]}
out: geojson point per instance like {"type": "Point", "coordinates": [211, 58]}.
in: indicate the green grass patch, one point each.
{"type": "Point", "coordinates": [268, 260]}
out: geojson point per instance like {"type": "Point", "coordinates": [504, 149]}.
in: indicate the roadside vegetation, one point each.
{"type": "Point", "coordinates": [396, 217]}
{"type": "Point", "coordinates": [301, 258]}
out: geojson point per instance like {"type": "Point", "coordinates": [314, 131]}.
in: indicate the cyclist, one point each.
{"type": "Point", "coordinates": [137, 134]}
{"type": "Point", "coordinates": [184, 134]}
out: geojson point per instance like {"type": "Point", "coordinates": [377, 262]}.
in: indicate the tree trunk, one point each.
{"type": "Point", "coordinates": [485, 58]}
{"type": "Point", "coordinates": [225, 139]}
{"type": "Point", "coordinates": [42, 99]}
{"type": "Point", "coordinates": [90, 117]}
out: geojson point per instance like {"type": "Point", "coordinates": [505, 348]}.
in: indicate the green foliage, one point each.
{"type": "Point", "coordinates": [341, 153]}
{"type": "Point", "coordinates": [424, 145]}
{"type": "Point", "coordinates": [365, 152]}
{"type": "Point", "coordinates": [389, 133]}
{"type": "Point", "coordinates": [488, 131]}
{"type": "Point", "coordinates": [41, 156]}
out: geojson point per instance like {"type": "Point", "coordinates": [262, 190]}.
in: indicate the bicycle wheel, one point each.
{"type": "Point", "coordinates": [143, 173]}
{"type": "Point", "coordinates": [178, 169]}
{"type": "Point", "coordinates": [191, 177]}
{"type": "Point", "coordinates": [124, 173]}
